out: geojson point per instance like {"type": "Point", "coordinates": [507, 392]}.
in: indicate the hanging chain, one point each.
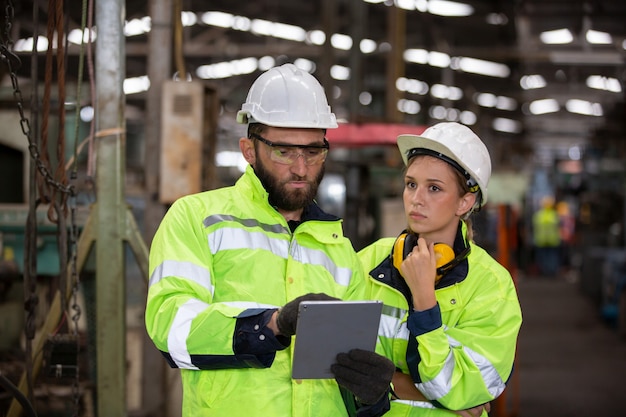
{"type": "Point", "coordinates": [10, 58]}
{"type": "Point", "coordinates": [13, 63]}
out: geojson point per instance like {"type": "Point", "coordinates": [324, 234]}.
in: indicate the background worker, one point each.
{"type": "Point", "coordinates": [223, 261]}
{"type": "Point", "coordinates": [547, 238]}
{"type": "Point", "coordinates": [451, 315]}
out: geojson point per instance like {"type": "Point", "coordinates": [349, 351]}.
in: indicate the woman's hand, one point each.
{"type": "Point", "coordinates": [419, 270]}
{"type": "Point", "coordinates": [404, 388]}
{"type": "Point", "coordinates": [474, 412]}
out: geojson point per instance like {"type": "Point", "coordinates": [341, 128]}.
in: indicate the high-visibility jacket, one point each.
{"type": "Point", "coordinates": [459, 353]}
{"type": "Point", "coordinates": [224, 256]}
{"type": "Point", "coordinates": [546, 228]}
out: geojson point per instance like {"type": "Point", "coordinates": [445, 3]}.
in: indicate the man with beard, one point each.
{"type": "Point", "coordinates": [229, 267]}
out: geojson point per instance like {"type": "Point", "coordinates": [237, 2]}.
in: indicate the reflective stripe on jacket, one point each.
{"type": "Point", "coordinates": [227, 253]}
{"type": "Point", "coordinates": [466, 360]}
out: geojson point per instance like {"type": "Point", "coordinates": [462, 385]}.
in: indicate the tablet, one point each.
{"type": "Point", "coordinates": [326, 328]}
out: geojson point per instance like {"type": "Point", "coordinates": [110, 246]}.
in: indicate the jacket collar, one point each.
{"type": "Point", "coordinates": [386, 273]}
{"type": "Point", "coordinates": [251, 182]}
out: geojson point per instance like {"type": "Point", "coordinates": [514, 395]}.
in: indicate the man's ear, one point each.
{"type": "Point", "coordinates": [247, 150]}
{"type": "Point", "coordinates": [466, 203]}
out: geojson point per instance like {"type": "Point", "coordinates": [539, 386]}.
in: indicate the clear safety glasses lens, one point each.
{"type": "Point", "coordinates": [288, 154]}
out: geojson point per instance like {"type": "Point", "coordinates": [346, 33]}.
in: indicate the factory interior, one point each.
{"type": "Point", "coordinates": [113, 109]}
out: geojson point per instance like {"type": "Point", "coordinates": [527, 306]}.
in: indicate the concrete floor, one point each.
{"type": "Point", "coordinates": [570, 363]}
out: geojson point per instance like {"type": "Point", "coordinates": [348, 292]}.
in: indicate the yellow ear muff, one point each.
{"type": "Point", "coordinates": [398, 251]}
{"type": "Point", "coordinates": [443, 254]}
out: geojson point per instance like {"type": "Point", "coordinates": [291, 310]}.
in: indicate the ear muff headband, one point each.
{"type": "Point", "coordinates": [446, 260]}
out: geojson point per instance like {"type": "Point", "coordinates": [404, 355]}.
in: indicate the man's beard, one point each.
{"type": "Point", "coordinates": [279, 196]}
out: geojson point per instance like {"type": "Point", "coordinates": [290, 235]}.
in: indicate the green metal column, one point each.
{"type": "Point", "coordinates": [110, 215]}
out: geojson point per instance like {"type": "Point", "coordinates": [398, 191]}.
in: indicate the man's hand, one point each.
{"type": "Point", "coordinates": [288, 315]}
{"type": "Point", "coordinates": [366, 374]}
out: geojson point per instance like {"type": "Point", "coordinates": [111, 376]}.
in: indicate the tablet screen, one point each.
{"type": "Point", "coordinates": [326, 328]}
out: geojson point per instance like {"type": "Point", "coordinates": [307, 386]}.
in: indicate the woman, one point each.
{"type": "Point", "coordinates": [449, 325]}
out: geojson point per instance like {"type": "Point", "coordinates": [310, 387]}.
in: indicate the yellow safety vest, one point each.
{"type": "Point", "coordinates": [546, 231]}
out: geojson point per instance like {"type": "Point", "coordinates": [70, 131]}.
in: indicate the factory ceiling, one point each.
{"type": "Point", "coordinates": [399, 61]}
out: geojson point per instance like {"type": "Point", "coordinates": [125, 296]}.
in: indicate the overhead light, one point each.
{"type": "Point", "coordinates": [468, 118]}
{"type": "Point", "coordinates": [438, 59]}
{"type": "Point", "coordinates": [305, 64]}
{"type": "Point", "coordinates": [480, 66]}
{"type": "Point", "coordinates": [367, 46]}
{"type": "Point", "coordinates": [443, 60]}
{"type": "Point", "coordinates": [448, 8]}
{"type": "Point", "coordinates": [136, 84]}
{"type": "Point", "coordinates": [599, 38]}
{"type": "Point", "coordinates": [316, 37]}
{"type": "Point", "coordinates": [497, 19]}
{"type": "Point", "coordinates": [266, 63]}
{"type": "Point", "coordinates": [412, 86]}
{"type": "Point", "coordinates": [219, 19]}
{"type": "Point", "coordinates": [584, 107]}
{"type": "Point", "coordinates": [339, 72]}
{"type": "Point", "coordinates": [506, 103]}
{"type": "Point", "coordinates": [408, 106]}
{"type": "Point", "coordinates": [340, 41]}
{"type": "Point", "coordinates": [188, 18]}
{"type": "Point", "coordinates": [499, 102]}
{"type": "Point", "coordinates": [452, 114]}
{"type": "Point", "coordinates": [26, 45]}
{"type": "Point", "coordinates": [75, 36]}
{"type": "Point", "coordinates": [502, 124]}
{"type": "Point", "coordinates": [485, 99]}
{"type": "Point", "coordinates": [418, 56]}
{"type": "Point", "coordinates": [600, 82]}
{"type": "Point", "coordinates": [548, 105]}
{"type": "Point", "coordinates": [262, 27]}
{"type": "Point", "coordinates": [556, 37]}
{"type": "Point", "coordinates": [530, 82]}
{"type": "Point", "coordinates": [278, 30]}
{"type": "Point", "coordinates": [437, 112]}
{"type": "Point", "coordinates": [136, 27]}
{"type": "Point", "coordinates": [446, 92]}
{"type": "Point", "coordinates": [405, 4]}
{"type": "Point", "coordinates": [365, 98]}
{"type": "Point", "coordinates": [227, 69]}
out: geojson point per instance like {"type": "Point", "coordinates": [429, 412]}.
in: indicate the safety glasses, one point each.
{"type": "Point", "coordinates": [287, 154]}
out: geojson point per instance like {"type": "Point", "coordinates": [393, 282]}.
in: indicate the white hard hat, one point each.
{"type": "Point", "coordinates": [287, 96]}
{"type": "Point", "coordinates": [456, 144]}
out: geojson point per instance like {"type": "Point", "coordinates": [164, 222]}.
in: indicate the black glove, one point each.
{"type": "Point", "coordinates": [366, 374]}
{"type": "Point", "coordinates": [288, 315]}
